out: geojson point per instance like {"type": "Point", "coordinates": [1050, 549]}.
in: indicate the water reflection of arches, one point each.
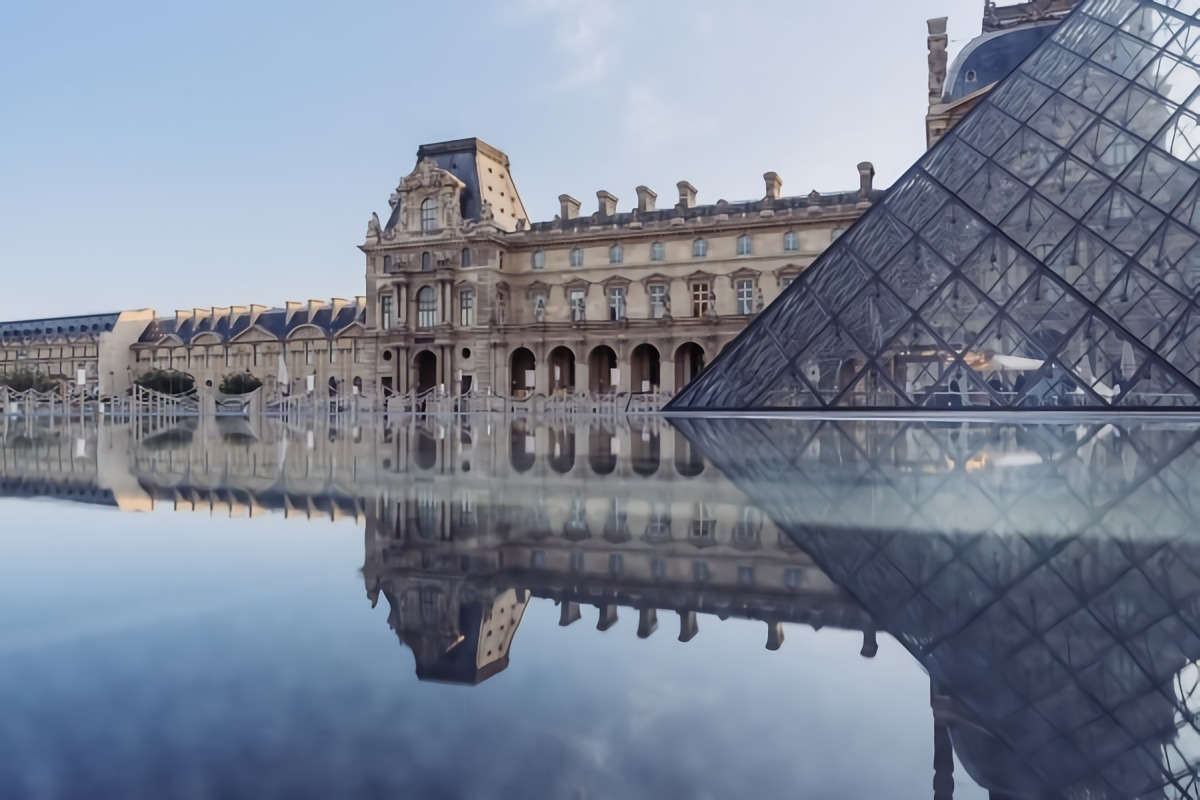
{"type": "Point", "coordinates": [688, 461]}
{"type": "Point", "coordinates": [689, 362]}
{"type": "Point", "coordinates": [425, 453]}
{"type": "Point", "coordinates": [521, 446]}
{"type": "Point", "coordinates": [645, 450]}
{"type": "Point", "coordinates": [602, 365]}
{"type": "Point", "coordinates": [425, 367]}
{"type": "Point", "coordinates": [601, 455]}
{"type": "Point", "coordinates": [560, 370]}
{"type": "Point", "coordinates": [645, 367]}
{"type": "Point", "coordinates": [522, 365]}
{"type": "Point", "coordinates": [562, 450]}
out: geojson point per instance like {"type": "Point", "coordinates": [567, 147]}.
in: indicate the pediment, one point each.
{"type": "Point", "coordinates": [253, 334]}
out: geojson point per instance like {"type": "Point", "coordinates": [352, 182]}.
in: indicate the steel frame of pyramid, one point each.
{"type": "Point", "coordinates": [1045, 253]}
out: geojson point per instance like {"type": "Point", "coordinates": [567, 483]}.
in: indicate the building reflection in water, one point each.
{"type": "Point", "coordinates": [1046, 576]}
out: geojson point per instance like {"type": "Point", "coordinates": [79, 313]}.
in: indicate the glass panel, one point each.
{"type": "Point", "coordinates": [1113, 12]}
{"type": "Point", "coordinates": [915, 199]}
{"type": "Point", "coordinates": [753, 362]}
{"type": "Point", "coordinates": [1102, 358]}
{"type": "Point", "coordinates": [958, 313]}
{"type": "Point", "coordinates": [1005, 356]}
{"type": "Point", "coordinates": [1123, 54]}
{"type": "Point", "coordinates": [952, 163]}
{"type": "Point", "coordinates": [1172, 255]}
{"type": "Point", "coordinates": [1144, 307]}
{"type": "Point", "coordinates": [915, 273]}
{"type": "Point", "coordinates": [1181, 138]}
{"type": "Point", "coordinates": [1186, 41]}
{"type": "Point", "coordinates": [1171, 78]}
{"type": "Point", "coordinates": [873, 389]}
{"type": "Point", "coordinates": [1152, 26]}
{"type": "Point", "coordinates": [1038, 226]}
{"type": "Point", "coordinates": [993, 192]}
{"type": "Point", "coordinates": [1158, 179]}
{"type": "Point", "coordinates": [794, 319]}
{"type": "Point", "coordinates": [831, 363]}
{"type": "Point", "coordinates": [1052, 65]}
{"type": "Point", "coordinates": [998, 268]}
{"type": "Point", "coordinates": [1045, 311]}
{"type": "Point", "coordinates": [1087, 263]}
{"type": "Point", "coordinates": [1081, 34]}
{"type": "Point", "coordinates": [1021, 96]}
{"type": "Point", "coordinates": [915, 362]}
{"type": "Point", "coordinates": [1182, 345]}
{"type": "Point", "coordinates": [1107, 147]}
{"type": "Point", "coordinates": [986, 128]}
{"type": "Point", "coordinates": [1139, 112]}
{"type": "Point", "coordinates": [877, 238]}
{"type": "Point", "coordinates": [1093, 86]}
{"type": "Point", "coordinates": [1073, 186]}
{"type": "Point", "coordinates": [874, 317]}
{"type": "Point", "coordinates": [1061, 120]}
{"type": "Point", "coordinates": [954, 232]}
{"type": "Point", "coordinates": [841, 278]}
{"type": "Point", "coordinates": [1028, 155]}
{"type": "Point", "coordinates": [787, 390]}
{"type": "Point", "coordinates": [1124, 220]}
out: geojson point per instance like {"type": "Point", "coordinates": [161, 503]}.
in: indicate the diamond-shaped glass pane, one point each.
{"type": "Point", "coordinates": [1124, 221]}
{"type": "Point", "coordinates": [999, 269]}
{"type": "Point", "coordinates": [1028, 155]}
{"type": "Point", "coordinates": [1061, 119]}
{"type": "Point", "coordinates": [915, 273]}
{"type": "Point", "coordinates": [1161, 180]}
{"type": "Point", "coordinates": [1087, 263]}
{"type": "Point", "coordinates": [1073, 186]}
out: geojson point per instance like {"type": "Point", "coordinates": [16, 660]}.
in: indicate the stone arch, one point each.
{"type": "Point", "coordinates": [425, 370]}
{"type": "Point", "coordinates": [689, 363]}
{"type": "Point", "coordinates": [521, 366]}
{"type": "Point", "coordinates": [560, 370]}
{"type": "Point", "coordinates": [645, 367]}
{"type": "Point", "coordinates": [602, 363]}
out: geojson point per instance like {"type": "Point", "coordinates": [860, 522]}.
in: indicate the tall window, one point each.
{"type": "Point", "coordinates": [745, 296]}
{"type": "Point", "coordinates": [616, 303]}
{"type": "Point", "coordinates": [658, 301]}
{"type": "Point", "coordinates": [333, 357]}
{"type": "Point", "coordinates": [466, 257]}
{"type": "Point", "coordinates": [791, 242]}
{"type": "Point", "coordinates": [616, 254]}
{"type": "Point", "coordinates": [359, 352]}
{"type": "Point", "coordinates": [539, 259]}
{"type": "Point", "coordinates": [387, 263]}
{"type": "Point", "coordinates": [427, 307]}
{"type": "Point", "coordinates": [700, 248]}
{"type": "Point", "coordinates": [578, 305]}
{"type": "Point", "coordinates": [466, 307]}
{"type": "Point", "coordinates": [701, 298]}
{"type": "Point", "coordinates": [427, 261]}
{"type": "Point", "coordinates": [576, 257]}
{"type": "Point", "coordinates": [658, 251]}
{"type": "Point", "coordinates": [743, 245]}
{"type": "Point", "coordinates": [429, 210]}
{"type": "Point", "coordinates": [385, 312]}
{"type": "Point", "coordinates": [308, 353]}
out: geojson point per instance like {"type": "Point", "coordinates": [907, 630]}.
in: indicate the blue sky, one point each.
{"type": "Point", "coordinates": [171, 155]}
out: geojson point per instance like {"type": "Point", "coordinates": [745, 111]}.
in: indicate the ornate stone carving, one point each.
{"type": "Point", "coordinates": [938, 58]}
{"type": "Point", "coordinates": [374, 230]}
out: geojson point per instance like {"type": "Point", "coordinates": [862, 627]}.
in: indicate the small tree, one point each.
{"type": "Point", "coordinates": [240, 383]}
{"type": "Point", "coordinates": [167, 381]}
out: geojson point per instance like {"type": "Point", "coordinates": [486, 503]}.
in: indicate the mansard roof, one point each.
{"type": "Point", "coordinates": [87, 324]}
{"type": "Point", "coordinates": [1046, 252]}
{"type": "Point", "coordinates": [228, 323]}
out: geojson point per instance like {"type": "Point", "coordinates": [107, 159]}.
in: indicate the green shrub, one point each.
{"type": "Point", "coordinates": [239, 383]}
{"type": "Point", "coordinates": [167, 381]}
{"type": "Point", "coordinates": [23, 380]}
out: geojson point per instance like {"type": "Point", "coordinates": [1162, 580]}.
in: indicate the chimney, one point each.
{"type": "Point", "coordinates": [292, 308]}
{"type": "Point", "coordinates": [687, 194]}
{"type": "Point", "coordinates": [201, 313]}
{"type": "Point", "coordinates": [569, 206]}
{"type": "Point", "coordinates": [337, 304]}
{"type": "Point", "coordinates": [866, 180]}
{"type": "Point", "coordinates": [313, 307]}
{"type": "Point", "coordinates": [182, 317]}
{"type": "Point", "coordinates": [774, 185]}
{"type": "Point", "coordinates": [255, 311]}
{"type": "Point", "coordinates": [938, 59]}
{"type": "Point", "coordinates": [646, 199]}
{"type": "Point", "coordinates": [608, 203]}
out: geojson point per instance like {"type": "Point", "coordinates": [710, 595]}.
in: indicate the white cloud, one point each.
{"type": "Point", "coordinates": [584, 33]}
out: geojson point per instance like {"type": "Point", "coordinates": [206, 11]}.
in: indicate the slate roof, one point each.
{"type": "Point", "coordinates": [274, 321]}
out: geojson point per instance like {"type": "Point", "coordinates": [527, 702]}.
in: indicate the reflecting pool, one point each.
{"type": "Point", "coordinates": [480, 607]}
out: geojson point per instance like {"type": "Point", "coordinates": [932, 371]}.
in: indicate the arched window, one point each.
{"type": "Point", "coordinates": [427, 261]}
{"type": "Point", "coordinates": [576, 257]}
{"type": "Point", "coordinates": [743, 245]}
{"type": "Point", "coordinates": [426, 307]}
{"type": "Point", "coordinates": [791, 242]}
{"type": "Point", "coordinates": [466, 257]}
{"type": "Point", "coordinates": [700, 248]}
{"type": "Point", "coordinates": [658, 252]}
{"type": "Point", "coordinates": [539, 259]}
{"type": "Point", "coordinates": [429, 210]}
{"type": "Point", "coordinates": [971, 76]}
{"type": "Point", "coordinates": [616, 254]}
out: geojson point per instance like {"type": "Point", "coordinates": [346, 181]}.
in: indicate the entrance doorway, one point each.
{"type": "Point", "coordinates": [602, 370]}
{"type": "Point", "coordinates": [425, 369]}
{"type": "Point", "coordinates": [522, 367]}
{"type": "Point", "coordinates": [689, 362]}
{"type": "Point", "coordinates": [560, 368]}
{"type": "Point", "coordinates": [646, 368]}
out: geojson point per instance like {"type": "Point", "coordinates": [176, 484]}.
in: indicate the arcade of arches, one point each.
{"type": "Point", "coordinates": [602, 369]}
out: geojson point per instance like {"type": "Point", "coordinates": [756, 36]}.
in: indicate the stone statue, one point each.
{"type": "Point", "coordinates": [485, 213]}
{"type": "Point", "coordinates": [758, 301]}
{"type": "Point", "coordinates": [374, 230]}
{"type": "Point", "coordinates": [938, 42]}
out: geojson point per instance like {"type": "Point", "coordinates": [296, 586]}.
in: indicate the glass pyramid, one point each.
{"type": "Point", "coordinates": [1045, 253]}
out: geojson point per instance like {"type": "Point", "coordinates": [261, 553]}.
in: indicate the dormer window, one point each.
{"type": "Point", "coordinates": [658, 251]}
{"type": "Point", "coordinates": [700, 248]}
{"type": "Point", "coordinates": [429, 211]}
{"type": "Point", "coordinates": [576, 257]}
{"type": "Point", "coordinates": [616, 254]}
{"type": "Point", "coordinates": [427, 261]}
{"type": "Point", "coordinates": [971, 76]}
{"type": "Point", "coordinates": [791, 242]}
{"type": "Point", "coordinates": [744, 247]}
{"type": "Point", "coordinates": [539, 259]}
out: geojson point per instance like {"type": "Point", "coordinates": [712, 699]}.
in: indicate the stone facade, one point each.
{"type": "Point", "coordinates": [465, 293]}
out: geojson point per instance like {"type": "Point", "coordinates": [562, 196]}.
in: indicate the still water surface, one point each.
{"type": "Point", "coordinates": [727, 609]}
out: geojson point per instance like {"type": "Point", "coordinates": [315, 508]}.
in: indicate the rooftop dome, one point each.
{"type": "Point", "coordinates": [990, 57]}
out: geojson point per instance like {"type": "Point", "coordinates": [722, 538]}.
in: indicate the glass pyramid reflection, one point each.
{"type": "Point", "coordinates": [1045, 253]}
